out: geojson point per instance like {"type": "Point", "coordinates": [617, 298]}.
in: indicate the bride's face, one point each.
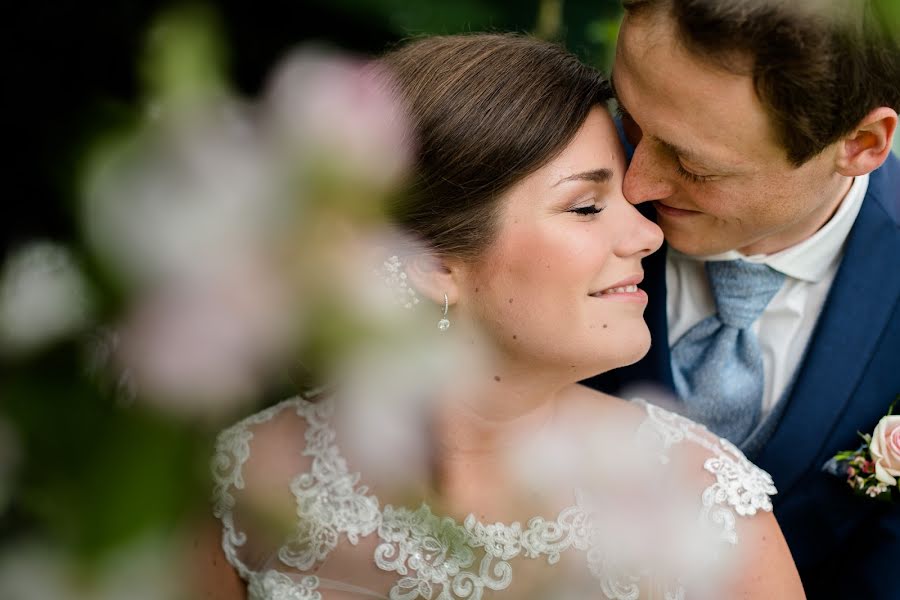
{"type": "Point", "coordinates": [557, 287]}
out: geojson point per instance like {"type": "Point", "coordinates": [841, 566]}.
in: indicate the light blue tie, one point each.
{"type": "Point", "coordinates": [717, 364]}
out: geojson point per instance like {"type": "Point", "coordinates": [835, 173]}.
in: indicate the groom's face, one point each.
{"type": "Point", "coordinates": [706, 153]}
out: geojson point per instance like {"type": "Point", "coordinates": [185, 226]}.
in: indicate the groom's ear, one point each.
{"type": "Point", "coordinates": [867, 147]}
{"type": "Point", "coordinates": [433, 276]}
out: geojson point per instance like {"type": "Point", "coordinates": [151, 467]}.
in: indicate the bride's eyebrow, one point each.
{"type": "Point", "coordinates": [595, 175]}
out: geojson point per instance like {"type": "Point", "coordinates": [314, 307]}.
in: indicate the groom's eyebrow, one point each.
{"type": "Point", "coordinates": [594, 175]}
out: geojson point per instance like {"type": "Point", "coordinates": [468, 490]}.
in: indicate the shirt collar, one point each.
{"type": "Point", "coordinates": [811, 259]}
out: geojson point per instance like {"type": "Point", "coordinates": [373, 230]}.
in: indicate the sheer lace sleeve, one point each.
{"type": "Point", "coordinates": [287, 501]}
{"type": "Point", "coordinates": [740, 489]}
{"type": "Point", "coordinates": [704, 494]}
{"type": "Point", "coordinates": [236, 505]}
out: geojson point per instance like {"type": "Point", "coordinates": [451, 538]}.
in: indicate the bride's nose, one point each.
{"type": "Point", "coordinates": [641, 236]}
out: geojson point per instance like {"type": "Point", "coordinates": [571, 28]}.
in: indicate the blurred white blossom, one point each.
{"type": "Point", "coordinates": [232, 226]}
{"type": "Point", "coordinates": [644, 511]}
{"type": "Point", "coordinates": [43, 297]}
{"type": "Point", "coordinates": [388, 395]}
{"type": "Point", "coordinates": [32, 570]}
{"type": "Point", "coordinates": [181, 200]}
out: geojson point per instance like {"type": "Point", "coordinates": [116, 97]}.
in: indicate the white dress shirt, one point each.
{"type": "Point", "coordinates": [787, 323]}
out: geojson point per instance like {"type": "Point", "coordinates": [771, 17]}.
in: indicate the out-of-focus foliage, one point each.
{"type": "Point", "coordinates": [583, 26]}
{"type": "Point", "coordinates": [215, 264]}
{"type": "Point", "coordinates": [213, 237]}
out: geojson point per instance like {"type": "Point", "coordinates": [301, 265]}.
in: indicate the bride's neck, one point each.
{"type": "Point", "coordinates": [476, 436]}
{"type": "Point", "coordinates": [493, 414]}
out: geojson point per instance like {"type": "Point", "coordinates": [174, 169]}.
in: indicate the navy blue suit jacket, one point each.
{"type": "Point", "coordinates": [844, 546]}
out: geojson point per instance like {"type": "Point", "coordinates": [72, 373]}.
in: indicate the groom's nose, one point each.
{"type": "Point", "coordinates": [645, 179]}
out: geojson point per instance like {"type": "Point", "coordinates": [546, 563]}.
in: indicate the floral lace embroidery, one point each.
{"type": "Point", "coordinates": [329, 498]}
{"type": "Point", "coordinates": [434, 555]}
{"type": "Point", "coordinates": [425, 549]}
{"type": "Point", "coordinates": [231, 452]}
{"type": "Point", "coordinates": [329, 502]}
{"type": "Point", "coordinates": [741, 487]}
{"type": "Point", "coordinates": [273, 585]}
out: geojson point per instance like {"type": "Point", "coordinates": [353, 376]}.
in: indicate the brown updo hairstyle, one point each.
{"type": "Point", "coordinates": [487, 110]}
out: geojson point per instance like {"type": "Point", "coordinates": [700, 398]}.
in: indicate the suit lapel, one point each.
{"type": "Point", "coordinates": [861, 300]}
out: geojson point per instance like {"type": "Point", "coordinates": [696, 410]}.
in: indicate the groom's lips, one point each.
{"type": "Point", "coordinates": [671, 211]}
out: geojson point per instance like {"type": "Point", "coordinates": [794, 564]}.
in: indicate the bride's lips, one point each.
{"type": "Point", "coordinates": [671, 211]}
{"type": "Point", "coordinates": [626, 290]}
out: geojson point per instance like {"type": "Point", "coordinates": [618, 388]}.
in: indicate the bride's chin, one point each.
{"type": "Point", "coordinates": [631, 350]}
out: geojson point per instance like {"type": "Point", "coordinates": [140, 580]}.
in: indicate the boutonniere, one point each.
{"type": "Point", "coordinates": [873, 469]}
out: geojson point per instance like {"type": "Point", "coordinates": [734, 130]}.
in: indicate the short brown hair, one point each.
{"type": "Point", "coordinates": [818, 66]}
{"type": "Point", "coordinates": [487, 110]}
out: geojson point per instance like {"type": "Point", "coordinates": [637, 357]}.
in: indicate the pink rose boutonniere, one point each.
{"type": "Point", "coordinates": [873, 469]}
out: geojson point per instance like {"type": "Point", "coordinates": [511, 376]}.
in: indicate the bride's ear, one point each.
{"type": "Point", "coordinates": [433, 276]}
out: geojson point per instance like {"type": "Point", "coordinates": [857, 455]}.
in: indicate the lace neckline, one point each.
{"type": "Point", "coordinates": [438, 556]}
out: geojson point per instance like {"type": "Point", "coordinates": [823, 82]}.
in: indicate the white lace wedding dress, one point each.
{"type": "Point", "coordinates": [413, 553]}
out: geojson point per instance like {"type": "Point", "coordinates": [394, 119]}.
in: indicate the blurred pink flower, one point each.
{"type": "Point", "coordinates": [207, 344]}
{"type": "Point", "coordinates": [330, 108]}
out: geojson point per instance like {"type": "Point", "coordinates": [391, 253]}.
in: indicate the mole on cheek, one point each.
{"type": "Point", "coordinates": [604, 326]}
{"type": "Point", "coordinates": [515, 337]}
{"type": "Point", "coordinates": [496, 378]}
{"type": "Point", "coordinates": [510, 300]}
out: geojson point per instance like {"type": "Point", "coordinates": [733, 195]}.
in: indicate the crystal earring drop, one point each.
{"type": "Point", "coordinates": [444, 323]}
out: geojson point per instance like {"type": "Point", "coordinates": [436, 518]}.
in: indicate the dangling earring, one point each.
{"type": "Point", "coordinates": [444, 323]}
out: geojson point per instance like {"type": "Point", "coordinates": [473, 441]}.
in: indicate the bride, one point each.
{"type": "Point", "coordinates": [534, 262]}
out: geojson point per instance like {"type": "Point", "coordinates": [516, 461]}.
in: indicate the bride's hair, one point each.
{"type": "Point", "coordinates": [487, 110]}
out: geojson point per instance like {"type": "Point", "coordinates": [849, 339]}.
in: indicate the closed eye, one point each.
{"type": "Point", "coordinates": [587, 210]}
{"type": "Point", "coordinates": [692, 177]}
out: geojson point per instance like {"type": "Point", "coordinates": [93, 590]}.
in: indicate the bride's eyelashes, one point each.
{"type": "Point", "coordinates": [590, 209]}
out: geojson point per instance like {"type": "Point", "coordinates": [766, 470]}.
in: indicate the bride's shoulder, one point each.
{"type": "Point", "coordinates": [680, 465]}
{"type": "Point", "coordinates": [591, 406]}
{"type": "Point", "coordinates": [720, 473]}
{"type": "Point", "coordinates": [732, 480]}
{"type": "Point", "coordinates": [736, 500]}
{"type": "Point", "coordinates": [277, 431]}
{"type": "Point", "coordinates": [253, 465]}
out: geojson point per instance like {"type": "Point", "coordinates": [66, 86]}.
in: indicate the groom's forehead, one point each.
{"type": "Point", "coordinates": [694, 108]}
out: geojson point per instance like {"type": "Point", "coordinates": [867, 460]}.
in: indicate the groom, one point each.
{"type": "Point", "coordinates": [761, 133]}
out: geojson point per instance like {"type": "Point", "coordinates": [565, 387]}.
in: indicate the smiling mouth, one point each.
{"type": "Point", "coordinates": [625, 289]}
{"type": "Point", "coordinates": [673, 211]}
